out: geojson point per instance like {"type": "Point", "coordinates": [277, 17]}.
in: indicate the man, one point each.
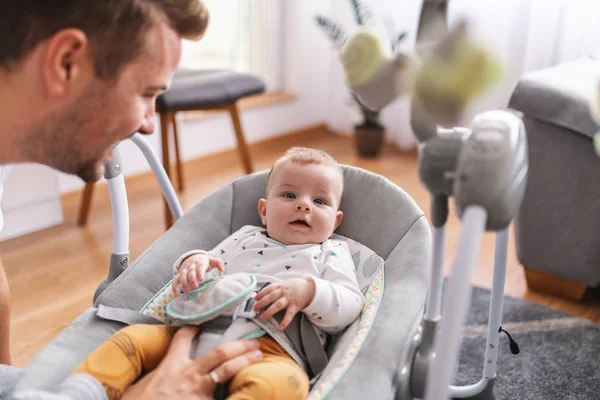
{"type": "Point", "coordinates": [77, 77]}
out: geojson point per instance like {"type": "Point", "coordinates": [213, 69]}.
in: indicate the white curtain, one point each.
{"type": "Point", "coordinates": [242, 35]}
{"type": "Point", "coordinates": [523, 34]}
{"type": "Point", "coordinates": [529, 35]}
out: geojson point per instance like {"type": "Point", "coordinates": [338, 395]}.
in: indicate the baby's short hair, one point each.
{"type": "Point", "coordinates": [307, 156]}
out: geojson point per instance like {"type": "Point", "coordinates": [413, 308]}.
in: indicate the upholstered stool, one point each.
{"type": "Point", "coordinates": [558, 225]}
{"type": "Point", "coordinates": [195, 90]}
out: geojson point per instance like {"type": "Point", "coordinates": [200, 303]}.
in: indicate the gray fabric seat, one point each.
{"type": "Point", "coordinates": [8, 377]}
{"type": "Point", "coordinates": [193, 90]}
{"type": "Point", "coordinates": [378, 214]}
{"type": "Point", "coordinates": [557, 225]}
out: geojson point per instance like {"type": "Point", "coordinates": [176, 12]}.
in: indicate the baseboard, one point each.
{"type": "Point", "coordinates": [31, 218]}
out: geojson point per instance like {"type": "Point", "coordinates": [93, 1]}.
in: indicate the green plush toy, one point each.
{"type": "Point", "coordinates": [445, 80]}
{"type": "Point", "coordinates": [456, 71]}
{"type": "Point", "coordinates": [375, 74]}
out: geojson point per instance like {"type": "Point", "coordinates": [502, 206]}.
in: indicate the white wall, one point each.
{"type": "Point", "coordinates": [307, 59]}
{"type": "Point", "coordinates": [30, 201]}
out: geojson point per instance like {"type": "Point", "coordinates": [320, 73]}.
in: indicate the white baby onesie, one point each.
{"type": "Point", "coordinates": [338, 299]}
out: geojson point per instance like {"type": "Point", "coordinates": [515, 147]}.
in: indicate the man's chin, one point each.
{"type": "Point", "coordinates": [91, 173]}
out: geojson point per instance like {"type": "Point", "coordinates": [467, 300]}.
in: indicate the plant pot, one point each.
{"type": "Point", "coordinates": [368, 139]}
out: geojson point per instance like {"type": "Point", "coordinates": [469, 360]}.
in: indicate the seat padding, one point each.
{"type": "Point", "coordinates": [377, 213]}
{"type": "Point", "coordinates": [207, 88]}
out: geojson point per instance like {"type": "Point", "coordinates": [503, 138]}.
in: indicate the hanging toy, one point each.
{"type": "Point", "coordinates": [445, 80]}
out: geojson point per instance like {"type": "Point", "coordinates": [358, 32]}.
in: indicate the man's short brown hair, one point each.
{"type": "Point", "coordinates": [115, 28]}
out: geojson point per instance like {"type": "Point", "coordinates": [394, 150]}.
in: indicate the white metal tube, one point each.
{"type": "Point", "coordinates": [120, 213]}
{"type": "Point", "coordinates": [160, 174]}
{"type": "Point", "coordinates": [456, 305]}
{"type": "Point", "coordinates": [468, 390]}
{"type": "Point", "coordinates": [433, 309]}
{"type": "Point", "coordinates": [494, 322]}
{"type": "Point", "coordinates": [493, 338]}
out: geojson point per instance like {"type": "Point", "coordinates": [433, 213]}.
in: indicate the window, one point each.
{"type": "Point", "coordinates": [243, 35]}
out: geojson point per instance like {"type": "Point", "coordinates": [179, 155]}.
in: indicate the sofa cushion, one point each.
{"type": "Point", "coordinates": [560, 95]}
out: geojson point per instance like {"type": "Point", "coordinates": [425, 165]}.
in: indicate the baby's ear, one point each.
{"type": "Point", "coordinates": [338, 219]}
{"type": "Point", "coordinates": [262, 210]}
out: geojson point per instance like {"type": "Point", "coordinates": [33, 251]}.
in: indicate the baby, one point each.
{"type": "Point", "coordinates": [308, 272]}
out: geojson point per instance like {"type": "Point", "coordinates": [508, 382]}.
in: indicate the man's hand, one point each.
{"type": "Point", "coordinates": [179, 377]}
{"type": "Point", "coordinates": [292, 294]}
{"type": "Point", "coordinates": [193, 269]}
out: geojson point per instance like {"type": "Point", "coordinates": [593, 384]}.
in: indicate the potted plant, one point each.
{"type": "Point", "coordinates": [369, 133]}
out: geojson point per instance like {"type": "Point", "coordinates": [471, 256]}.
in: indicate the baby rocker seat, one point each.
{"type": "Point", "coordinates": [387, 234]}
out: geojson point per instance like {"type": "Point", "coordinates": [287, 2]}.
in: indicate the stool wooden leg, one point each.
{"type": "Point", "coordinates": [239, 133]}
{"type": "Point", "coordinates": [178, 166]}
{"type": "Point", "coordinates": [84, 207]}
{"type": "Point", "coordinates": [164, 135]}
{"type": "Point", "coordinates": [538, 281]}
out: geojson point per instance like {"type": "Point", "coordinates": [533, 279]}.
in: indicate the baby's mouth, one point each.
{"type": "Point", "coordinates": [300, 222]}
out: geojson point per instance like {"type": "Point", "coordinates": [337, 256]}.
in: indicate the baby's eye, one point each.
{"type": "Point", "coordinates": [289, 195]}
{"type": "Point", "coordinates": [320, 201]}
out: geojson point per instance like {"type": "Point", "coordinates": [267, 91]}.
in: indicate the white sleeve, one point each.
{"type": "Point", "coordinates": [223, 250]}
{"type": "Point", "coordinates": [338, 299]}
{"type": "Point", "coordinates": [177, 263]}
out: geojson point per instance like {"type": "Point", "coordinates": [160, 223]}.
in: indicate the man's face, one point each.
{"type": "Point", "coordinates": [79, 139]}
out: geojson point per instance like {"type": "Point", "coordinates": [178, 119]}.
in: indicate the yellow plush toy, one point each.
{"type": "Point", "coordinates": [375, 75]}
{"type": "Point", "coordinates": [453, 74]}
{"type": "Point", "coordinates": [444, 80]}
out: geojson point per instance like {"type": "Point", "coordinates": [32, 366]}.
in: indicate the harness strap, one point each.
{"type": "Point", "coordinates": [301, 332]}
{"type": "Point", "coordinates": [315, 353]}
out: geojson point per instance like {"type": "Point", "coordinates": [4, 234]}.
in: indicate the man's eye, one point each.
{"type": "Point", "coordinates": [320, 201]}
{"type": "Point", "coordinates": [289, 195]}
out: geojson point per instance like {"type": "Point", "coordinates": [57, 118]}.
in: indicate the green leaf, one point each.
{"type": "Point", "coordinates": [332, 29]}
{"type": "Point", "coordinates": [361, 12]}
{"type": "Point", "coordinates": [398, 39]}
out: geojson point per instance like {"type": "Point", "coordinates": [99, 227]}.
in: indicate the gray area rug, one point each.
{"type": "Point", "coordinates": [559, 357]}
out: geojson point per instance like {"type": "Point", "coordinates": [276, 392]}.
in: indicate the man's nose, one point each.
{"type": "Point", "coordinates": [148, 125]}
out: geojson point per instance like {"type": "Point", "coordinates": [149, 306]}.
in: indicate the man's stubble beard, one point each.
{"type": "Point", "coordinates": [60, 139]}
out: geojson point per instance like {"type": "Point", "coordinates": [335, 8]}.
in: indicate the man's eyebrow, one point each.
{"type": "Point", "coordinates": [156, 88]}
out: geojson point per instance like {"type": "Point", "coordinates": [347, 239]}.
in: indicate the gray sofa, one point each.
{"type": "Point", "coordinates": [558, 226]}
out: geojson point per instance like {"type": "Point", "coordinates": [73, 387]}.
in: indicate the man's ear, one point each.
{"type": "Point", "coordinates": [338, 219]}
{"type": "Point", "coordinates": [65, 60]}
{"type": "Point", "coordinates": [262, 210]}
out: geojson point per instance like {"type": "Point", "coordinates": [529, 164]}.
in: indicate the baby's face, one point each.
{"type": "Point", "coordinates": [302, 203]}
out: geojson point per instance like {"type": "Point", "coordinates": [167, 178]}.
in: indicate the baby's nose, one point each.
{"type": "Point", "coordinates": [302, 206]}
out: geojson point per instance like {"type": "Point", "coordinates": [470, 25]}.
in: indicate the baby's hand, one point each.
{"type": "Point", "coordinates": [192, 270]}
{"type": "Point", "coordinates": [293, 294]}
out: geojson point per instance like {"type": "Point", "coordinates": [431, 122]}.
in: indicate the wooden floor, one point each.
{"type": "Point", "coordinates": [53, 273]}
